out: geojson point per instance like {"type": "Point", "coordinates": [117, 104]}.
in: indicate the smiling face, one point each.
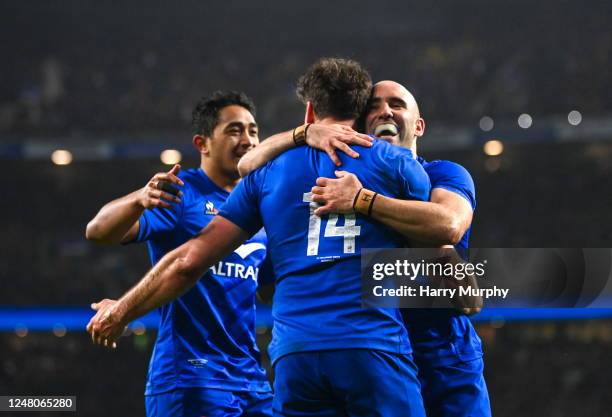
{"type": "Point", "coordinates": [234, 135]}
{"type": "Point", "coordinates": [393, 115]}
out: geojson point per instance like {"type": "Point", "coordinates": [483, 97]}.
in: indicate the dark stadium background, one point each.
{"type": "Point", "coordinates": [114, 85]}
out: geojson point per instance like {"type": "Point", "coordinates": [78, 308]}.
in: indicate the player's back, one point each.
{"type": "Point", "coordinates": [307, 240]}
{"type": "Point", "coordinates": [317, 303]}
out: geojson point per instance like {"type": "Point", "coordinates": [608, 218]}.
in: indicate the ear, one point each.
{"type": "Point", "coordinates": [419, 128]}
{"type": "Point", "coordinates": [309, 117]}
{"type": "Point", "coordinates": [201, 144]}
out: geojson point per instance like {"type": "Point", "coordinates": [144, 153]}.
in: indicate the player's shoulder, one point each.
{"type": "Point", "coordinates": [191, 175]}
{"type": "Point", "coordinates": [196, 184]}
{"type": "Point", "coordinates": [442, 168]}
{"type": "Point", "coordinates": [293, 155]}
{"type": "Point", "coordinates": [295, 159]}
{"type": "Point", "coordinates": [385, 149]}
{"type": "Point", "coordinates": [451, 176]}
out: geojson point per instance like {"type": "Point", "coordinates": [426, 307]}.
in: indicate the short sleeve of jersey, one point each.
{"type": "Point", "coordinates": [157, 221]}
{"type": "Point", "coordinates": [453, 177]}
{"type": "Point", "coordinates": [242, 205]}
{"type": "Point", "coordinates": [412, 178]}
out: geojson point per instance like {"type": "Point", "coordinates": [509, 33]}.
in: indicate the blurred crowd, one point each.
{"type": "Point", "coordinates": [80, 67]}
{"type": "Point", "coordinates": [532, 369]}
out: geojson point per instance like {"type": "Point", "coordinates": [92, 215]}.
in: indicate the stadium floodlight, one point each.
{"type": "Point", "coordinates": [574, 117]}
{"type": "Point", "coordinates": [486, 123]}
{"type": "Point", "coordinates": [61, 157]}
{"type": "Point", "coordinates": [21, 330]}
{"type": "Point", "coordinates": [525, 121]}
{"type": "Point", "coordinates": [59, 330]}
{"type": "Point", "coordinates": [170, 157]}
{"type": "Point", "coordinates": [493, 147]}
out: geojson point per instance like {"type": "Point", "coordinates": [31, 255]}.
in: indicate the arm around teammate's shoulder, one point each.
{"type": "Point", "coordinates": [327, 138]}
{"type": "Point", "coordinates": [117, 221]}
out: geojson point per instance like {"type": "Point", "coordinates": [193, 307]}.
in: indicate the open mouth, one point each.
{"type": "Point", "coordinates": [386, 129]}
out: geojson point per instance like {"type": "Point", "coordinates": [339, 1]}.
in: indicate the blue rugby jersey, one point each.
{"type": "Point", "coordinates": [317, 302]}
{"type": "Point", "coordinates": [442, 337]}
{"type": "Point", "coordinates": [206, 338]}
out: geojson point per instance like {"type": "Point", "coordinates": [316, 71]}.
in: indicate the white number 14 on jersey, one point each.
{"type": "Point", "coordinates": [348, 231]}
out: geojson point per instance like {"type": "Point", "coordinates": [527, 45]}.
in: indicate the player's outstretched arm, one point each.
{"type": "Point", "coordinates": [442, 221]}
{"type": "Point", "coordinates": [117, 221]}
{"type": "Point", "coordinates": [172, 276]}
{"type": "Point", "coordinates": [328, 138]}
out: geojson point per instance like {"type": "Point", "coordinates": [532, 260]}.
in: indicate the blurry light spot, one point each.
{"type": "Point", "coordinates": [170, 157]}
{"type": "Point", "coordinates": [492, 164]}
{"type": "Point", "coordinates": [574, 117]}
{"type": "Point", "coordinates": [61, 157]}
{"type": "Point", "coordinates": [21, 330]}
{"type": "Point", "coordinates": [498, 322]}
{"type": "Point", "coordinates": [493, 147]}
{"type": "Point", "coordinates": [59, 330]}
{"type": "Point", "coordinates": [525, 121]}
{"type": "Point", "coordinates": [486, 124]}
{"type": "Point", "coordinates": [139, 328]}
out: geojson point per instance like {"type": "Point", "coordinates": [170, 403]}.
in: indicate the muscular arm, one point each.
{"type": "Point", "coordinates": [327, 138]}
{"type": "Point", "coordinates": [441, 221]}
{"type": "Point", "coordinates": [172, 276]}
{"type": "Point", "coordinates": [117, 221]}
{"type": "Point", "coordinates": [265, 151]}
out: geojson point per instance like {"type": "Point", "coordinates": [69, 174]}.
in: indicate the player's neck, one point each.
{"type": "Point", "coordinates": [411, 146]}
{"type": "Point", "coordinates": [332, 121]}
{"type": "Point", "coordinates": [220, 178]}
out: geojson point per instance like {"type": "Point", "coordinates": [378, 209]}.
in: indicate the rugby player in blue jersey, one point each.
{"type": "Point", "coordinates": [205, 360]}
{"type": "Point", "coordinates": [447, 350]}
{"type": "Point", "coordinates": [446, 347]}
{"type": "Point", "coordinates": [331, 356]}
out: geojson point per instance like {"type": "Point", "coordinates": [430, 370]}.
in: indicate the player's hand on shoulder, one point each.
{"type": "Point", "coordinates": [162, 189]}
{"type": "Point", "coordinates": [336, 137]}
{"type": "Point", "coordinates": [337, 195]}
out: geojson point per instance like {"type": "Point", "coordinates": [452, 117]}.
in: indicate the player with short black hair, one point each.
{"type": "Point", "coordinates": [205, 115]}
{"type": "Point", "coordinates": [205, 360]}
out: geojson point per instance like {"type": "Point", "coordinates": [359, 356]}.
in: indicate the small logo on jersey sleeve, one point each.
{"type": "Point", "coordinates": [209, 208]}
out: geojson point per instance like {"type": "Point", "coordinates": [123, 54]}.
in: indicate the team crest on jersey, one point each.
{"type": "Point", "coordinates": [210, 208]}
